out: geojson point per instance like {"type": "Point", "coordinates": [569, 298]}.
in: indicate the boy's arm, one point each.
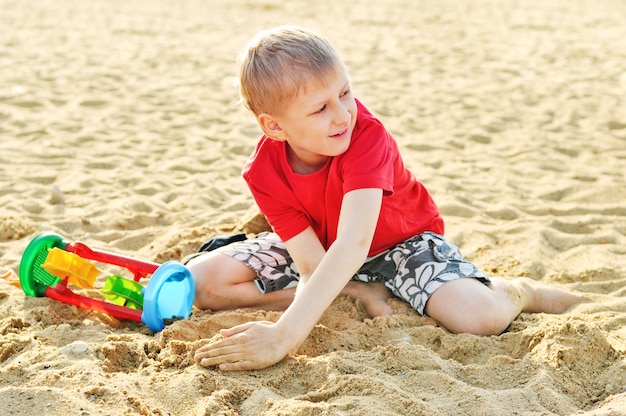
{"type": "Point", "coordinates": [330, 273]}
{"type": "Point", "coordinates": [256, 345]}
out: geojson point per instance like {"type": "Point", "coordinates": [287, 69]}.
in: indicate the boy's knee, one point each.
{"type": "Point", "coordinates": [207, 292]}
{"type": "Point", "coordinates": [486, 319]}
{"type": "Point", "coordinates": [216, 278]}
{"type": "Point", "coordinates": [489, 322]}
{"type": "Point", "coordinates": [210, 281]}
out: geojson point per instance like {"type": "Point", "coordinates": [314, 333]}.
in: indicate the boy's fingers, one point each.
{"type": "Point", "coordinates": [221, 343]}
{"type": "Point", "coordinates": [215, 350]}
{"type": "Point", "coordinates": [240, 366]}
{"type": "Point", "coordinates": [236, 351]}
{"type": "Point", "coordinates": [217, 357]}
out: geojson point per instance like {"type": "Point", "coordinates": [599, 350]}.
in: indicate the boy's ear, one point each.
{"type": "Point", "coordinates": [270, 127]}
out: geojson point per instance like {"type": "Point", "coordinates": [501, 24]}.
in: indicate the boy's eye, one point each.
{"type": "Point", "coordinates": [322, 108]}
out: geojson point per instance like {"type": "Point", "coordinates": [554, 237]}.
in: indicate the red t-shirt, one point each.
{"type": "Point", "coordinates": [291, 202]}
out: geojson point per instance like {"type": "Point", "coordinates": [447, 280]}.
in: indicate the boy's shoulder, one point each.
{"type": "Point", "coordinates": [362, 112]}
{"type": "Point", "coordinates": [365, 118]}
{"type": "Point", "coordinates": [265, 148]}
{"type": "Point", "coordinates": [369, 126]}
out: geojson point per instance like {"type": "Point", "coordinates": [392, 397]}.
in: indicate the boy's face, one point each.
{"type": "Point", "coordinates": [318, 122]}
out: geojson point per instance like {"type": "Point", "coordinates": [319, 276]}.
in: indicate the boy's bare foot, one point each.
{"type": "Point", "coordinates": [538, 297]}
{"type": "Point", "coordinates": [373, 295]}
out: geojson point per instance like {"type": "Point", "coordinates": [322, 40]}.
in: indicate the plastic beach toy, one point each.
{"type": "Point", "coordinates": [122, 291]}
{"type": "Point", "coordinates": [51, 266]}
{"type": "Point", "coordinates": [79, 272]}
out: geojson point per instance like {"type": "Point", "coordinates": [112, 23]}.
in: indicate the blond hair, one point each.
{"type": "Point", "coordinates": [278, 63]}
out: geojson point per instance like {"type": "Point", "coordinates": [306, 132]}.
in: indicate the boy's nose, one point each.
{"type": "Point", "coordinates": [342, 115]}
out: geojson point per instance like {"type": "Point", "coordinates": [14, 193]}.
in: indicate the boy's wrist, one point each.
{"type": "Point", "coordinates": [296, 330]}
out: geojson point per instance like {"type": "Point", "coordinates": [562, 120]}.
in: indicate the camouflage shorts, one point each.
{"type": "Point", "coordinates": [412, 270]}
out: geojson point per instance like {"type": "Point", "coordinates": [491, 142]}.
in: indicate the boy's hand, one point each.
{"type": "Point", "coordinates": [250, 346]}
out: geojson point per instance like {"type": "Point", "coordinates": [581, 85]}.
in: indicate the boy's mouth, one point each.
{"type": "Point", "coordinates": [340, 134]}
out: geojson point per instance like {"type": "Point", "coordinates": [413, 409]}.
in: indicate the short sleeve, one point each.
{"type": "Point", "coordinates": [266, 176]}
{"type": "Point", "coordinates": [279, 211]}
{"type": "Point", "coordinates": [369, 162]}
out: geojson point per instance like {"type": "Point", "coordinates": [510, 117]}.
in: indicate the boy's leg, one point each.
{"type": "Point", "coordinates": [225, 283]}
{"type": "Point", "coordinates": [373, 296]}
{"type": "Point", "coordinates": [467, 305]}
{"type": "Point", "coordinates": [222, 283]}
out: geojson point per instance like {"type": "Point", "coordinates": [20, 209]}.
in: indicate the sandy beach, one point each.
{"type": "Point", "coordinates": [120, 128]}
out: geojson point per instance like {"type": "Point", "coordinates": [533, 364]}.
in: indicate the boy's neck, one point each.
{"type": "Point", "coordinates": [302, 167]}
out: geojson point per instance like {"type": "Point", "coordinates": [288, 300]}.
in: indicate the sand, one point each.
{"type": "Point", "coordinates": [119, 127]}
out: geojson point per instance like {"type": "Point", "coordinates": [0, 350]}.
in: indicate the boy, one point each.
{"type": "Point", "coordinates": [348, 218]}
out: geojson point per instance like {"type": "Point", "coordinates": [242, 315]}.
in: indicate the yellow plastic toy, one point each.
{"type": "Point", "coordinates": [63, 264]}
